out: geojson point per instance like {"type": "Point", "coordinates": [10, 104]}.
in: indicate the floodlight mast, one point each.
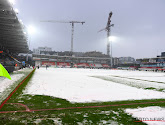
{"type": "Point", "coordinates": [72, 23]}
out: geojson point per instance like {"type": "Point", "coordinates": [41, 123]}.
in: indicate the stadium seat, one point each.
{"type": "Point", "coordinates": [98, 66]}
{"type": "Point", "coordinates": [105, 66]}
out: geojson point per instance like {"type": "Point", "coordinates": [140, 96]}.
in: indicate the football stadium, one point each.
{"type": "Point", "coordinates": [52, 87]}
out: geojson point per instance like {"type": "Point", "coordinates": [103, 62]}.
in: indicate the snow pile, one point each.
{"type": "Point", "coordinates": [149, 115]}
{"type": "Point", "coordinates": [76, 85]}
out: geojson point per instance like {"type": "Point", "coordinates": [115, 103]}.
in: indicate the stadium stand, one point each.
{"type": "Point", "coordinates": [92, 66]}
{"type": "Point", "coordinates": [13, 38]}
{"type": "Point", "coordinates": [105, 66]}
{"type": "Point", "coordinates": [98, 66]}
{"type": "Point", "coordinates": [83, 65]}
{"type": "Point", "coordinates": [44, 63]}
{"type": "Point", "coordinates": [7, 61]}
{"type": "Point", "coordinates": [63, 64]}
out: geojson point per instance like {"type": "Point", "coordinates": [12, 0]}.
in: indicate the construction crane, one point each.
{"type": "Point", "coordinates": [108, 29]}
{"type": "Point", "coordinates": [71, 22]}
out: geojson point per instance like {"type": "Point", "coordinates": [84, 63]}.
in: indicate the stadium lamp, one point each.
{"type": "Point", "coordinates": [21, 22]}
{"type": "Point", "coordinates": [31, 30]}
{"type": "Point", "coordinates": [24, 33]}
{"type": "Point", "coordinates": [16, 11]}
{"type": "Point", "coordinates": [112, 38]}
{"type": "Point", "coordinates": [12, 1]}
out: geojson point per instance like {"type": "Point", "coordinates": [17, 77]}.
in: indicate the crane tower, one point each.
{"type": "Point", "coordinates": [108, 29]}
{"type": "Point", "coordinates": [71, 22]}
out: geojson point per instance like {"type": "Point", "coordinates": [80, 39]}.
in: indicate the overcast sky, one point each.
{"type": "Point", "coordinates": [139, 25]}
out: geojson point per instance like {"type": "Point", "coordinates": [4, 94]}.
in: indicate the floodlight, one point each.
{"type": "Point", "coordinates": [31, 30]}
{"type": "Point", "coordinates": [16, 10]}
{"type": "Point", "coordinates": [112, 38]}
{"type": "Point", "coordinates": [12, 1]}
{"type": "Point", "coordinates": [21, 21]}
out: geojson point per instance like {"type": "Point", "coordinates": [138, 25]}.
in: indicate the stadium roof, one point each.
{"type": "Point", "coordinates": [12, 32]}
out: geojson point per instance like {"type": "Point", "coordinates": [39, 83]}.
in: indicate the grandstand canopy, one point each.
{"type": "Point", "coordinates": [12, 32]}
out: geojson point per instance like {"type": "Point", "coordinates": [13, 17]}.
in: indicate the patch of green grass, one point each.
{"type": "Point", "coordinates": [150, 88]}
{"type": "Point", "coordinates": [156, 89]}
{"type": "Point", "coordinates": [46, 122]}
{"type": "Point", "coordinates": [71, 117]}
{"type": "Point", "coordinates": [114, 114]}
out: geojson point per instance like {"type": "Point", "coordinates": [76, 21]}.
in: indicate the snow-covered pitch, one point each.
{"type": "Point", "coordinates": [79, 85]}
{"type": "Point", "coordinates": [153, 115]}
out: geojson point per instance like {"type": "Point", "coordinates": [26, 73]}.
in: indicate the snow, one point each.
{"type": "Point", "coordinates": [139, 79]}
{"type": "Point", "coordinates": [5, 83]}
{"type": "Point", "coordinates": [77, 85]}
{"type": "Point", "coordinates": [151, 76]}
{"type": "Point", "coordinates": [135, 83]}
{"type": "Point", "coordinates": [149, 113]}
{"type": "Point", "coordinates": [24, 70]}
